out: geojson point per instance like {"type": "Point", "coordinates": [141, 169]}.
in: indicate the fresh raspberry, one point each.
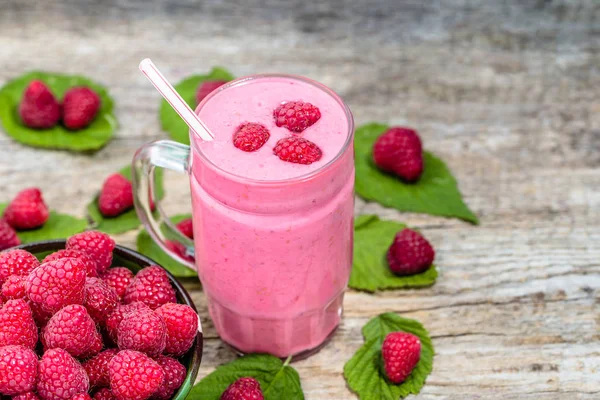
{"type": "Point", "coordinates": [17, 326]}
{"type": "Point", "coordinates": [399, 150]}
{"type": "Point", "coordinates": [90, 264]}
{"type": "Point", "coordinates": [18, 369]}
{"type": "Point", "coordinates": [116, 196]}
{"type": "Point", "coordinates": [16, 262]}
{"type": "Point", "coordinates": [100, 299]}
{"type": "Point", "coordinates": [134, 375]}
{"type": "Point", "coordinates": [14, 288]}
{"type": "Point", "coordinates": [179, 249]}
{"type": "Point", "coordinates": [80, 106]}
{"type": "Point", "coordinates": [56, 284]}
{"type": "Point", "coordinates": [186, 227]}
{"type": "Point", "coordinates": [27, 210]}
{"type": "Point", "coordinates": [174, 376]}
{"type": "Point", "coordinates": [97, 368]}
{"type": "Point", "coordinates": [151, 286]}
{"type": "Point", "coordinates": [118, 278]}
{"type": "Point", "coordinates": [206, 88]}
{"type": "Point", "coordinates": [72, 329]}
{"type": "Point", "coordinates": [182, 327]}
{"type": "Point", "coordinates": [296, 116]}
{"type": "Point", "coordinates": [8, 236]}
{"type": "Point", "coordinates": [401, 352]}
{"type": "Point", "coordinates": [26, 396]}
{"type": "Point", "coordinates": [297, 150]}
{"type": "Point", "coordinates": [81, 396]}
{"type": "Point", "coordinates": [60, 376]}
{"type": "Point", "coordinates": [97, 245]}
{"type": "Point", "coordinates": [410, 253]}
{"type": "Point", "coordinates": [143, 331]}
{"type": "Point", "coordinates": [115, 318]}
{"type": "Point", "coordinates": [250, 136]}
{"type": "Point", "coordinates": [104, 394]}
{"type": "Point", "coordinates": [39, 108]}
{"type": "Point", "coordinates": [243, 389]}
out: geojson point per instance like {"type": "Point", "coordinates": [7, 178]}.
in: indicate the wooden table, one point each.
{"type": "Point", "coordinates": [507, 93]}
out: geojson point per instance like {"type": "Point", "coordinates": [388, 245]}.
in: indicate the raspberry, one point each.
{"type": "Point", "coordinates": [399, 150]}
{"type": "Point", "coordinates": [39, 108]}
{"type": "Point", "coordinates": [118, 278]}
{"type": "Point", "coordinates": [296, 116]}
{"type": "Point", "coordinates": [81, 396]}
{"type": "Point", "coordinates": [90, 264]}
{"type": "Point", "coordinates": [16, 262]}
{"type": "Point", "coordinates": [72, 329]}
{"type": "Point", "coordinates": [8, 236]}
{"type": "Point", "coordinates": [100, 299]}
{"type": "Point", "coordinates": [143, 331]}
{"type": "Point", "coordinates": [206, 88]}
{"type": "Point", "coordinates": [97, 368]}
{"type": "Point", "coordinates": [14, 288]}
{"type": "Point", "coordinates": [179, 249]}
{"type": "Point", "coordinates": [115, 318]}
{"type": "Point", "coordinates": [410, 253]}
{"type": "Point", "coordinates": [104, 394]}
{"type": "Point", "coordinates": [80, 106]}
{"type": "Point", "coordinates": [182, 327]}
{"type": "Point", "coordinates": [27, 210]}
{"type": "Point", "coordinates": [134, 375]}
{"type": "Point", "coordinates": [17, 326]}
{"type": "Point", "coordinates": [116, 196]}
{"type": "Point", "coordinates": [174, 376]}
{"type": "Point", "coordinates": [250, 136]}
{"type": "Point", "coordinates": [97, 245]}
{"type": "Point", "coordinates": [26, 396]}
{"type": "Point", "coordinates": [401, 352]}
{"type": "Point", "coordinates": [60, 376]}
{"type": "Point", "coordinates": [186, 227]}
{"type": "Point", "coordinates": [243, 389]}
{"type": "Point", "coordinates": [56, 284]}
{"type": "Point", "coordinates": [297, 150]}
{"type": "Point", "coordinates": [18, 369]}
{"type": "Point", "coordinates": [151, 286]}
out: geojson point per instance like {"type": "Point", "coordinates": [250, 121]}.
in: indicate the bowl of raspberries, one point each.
{"type": "Point", "coordinates": [84, 318]}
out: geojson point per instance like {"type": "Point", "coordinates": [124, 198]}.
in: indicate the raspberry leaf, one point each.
{"type": "Point", "coordinates": [435, 193]}
{"type": "Point", "coordinates": [148, 247]}
{"type": "Point", "coordinates": [58, 226]}
{"type": "Point", "coordinates": [129, 219]}
{"type": "Point", "coordinates": [370, 271]}
{"type": "Point", "coordinates": [93, 137]}
{"type": "Point", "coordinates": [277, 379]}
{"type": "Point", "coordinates": [170, 120]}
{"type": "Point", "coordinates": [363, 371]}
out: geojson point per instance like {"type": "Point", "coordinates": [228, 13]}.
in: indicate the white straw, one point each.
{"type": "Point", "coordinates": [174, 99]}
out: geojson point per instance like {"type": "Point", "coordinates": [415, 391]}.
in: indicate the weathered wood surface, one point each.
{"type": "Point", "coordinates": [507, 93]}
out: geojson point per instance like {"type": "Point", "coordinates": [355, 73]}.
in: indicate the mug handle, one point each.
{"type": "Point", "coordinates": [165, 154]}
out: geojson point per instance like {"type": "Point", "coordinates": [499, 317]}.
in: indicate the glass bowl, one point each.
{"type": "Point", "coordinates": [134, 261]}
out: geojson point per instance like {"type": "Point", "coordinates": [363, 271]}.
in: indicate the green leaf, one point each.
{"type": "Point", "coordinates": [129, 219]}
{"type": "Point", "coordinates": [363, 371]}
{"type": "Point", "coordinates": [435, 193]}
{"type": "Point", "coordinates": [93, 137]}
{"type": "Point", "coordinates": [170, 120]}
{"type": "Point", "coordinates": [277, 380]}
{"type": "Point", "coordinates": [58, 226]}
{"type": "Point", "coordinates": [148, 247]}
{"type": "Point", "coordinates": [370, 271]}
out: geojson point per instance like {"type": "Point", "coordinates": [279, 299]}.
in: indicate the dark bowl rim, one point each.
{"type": "Point", "coordinates": [143, 261]}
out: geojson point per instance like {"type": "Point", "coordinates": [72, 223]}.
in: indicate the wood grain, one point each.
{"type": "Point", "coordinates": [505, 92]}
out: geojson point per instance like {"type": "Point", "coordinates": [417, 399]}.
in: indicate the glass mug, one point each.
{"type": "Point", "coordinates": [273, 256]}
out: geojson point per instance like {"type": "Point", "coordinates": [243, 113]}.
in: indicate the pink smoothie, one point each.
{"type": "Point", "coordinates": [273, 239]}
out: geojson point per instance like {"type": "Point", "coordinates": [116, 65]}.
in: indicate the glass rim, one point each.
{"type": "Point", "coordinates": [295, 179]}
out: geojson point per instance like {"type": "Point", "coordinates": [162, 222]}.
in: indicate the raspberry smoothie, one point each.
{"type": "Point", "coordinates": [273, 238]}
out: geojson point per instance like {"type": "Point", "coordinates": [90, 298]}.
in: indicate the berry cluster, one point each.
{"type": "Point", "coordinates": [101, 332]}
{"type": "Point", "coordinates": [39, 109]}
{"type": "Point", "coordinates": [26, 211]}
